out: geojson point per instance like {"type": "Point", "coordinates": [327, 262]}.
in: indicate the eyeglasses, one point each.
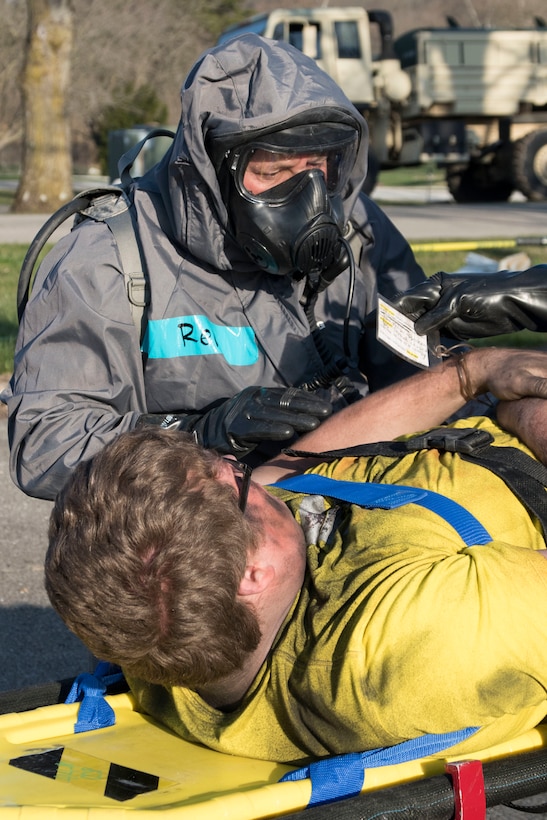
{"type": "Point", "coordinates": [243, 477]}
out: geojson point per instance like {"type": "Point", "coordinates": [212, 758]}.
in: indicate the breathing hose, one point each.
{"type": "Point", "coordinates": [332, 372]}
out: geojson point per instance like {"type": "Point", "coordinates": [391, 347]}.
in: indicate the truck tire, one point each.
{"type": "Point", "coordinates": [476, 183]}
{"type": "Point", "coordinates": [530, 165]}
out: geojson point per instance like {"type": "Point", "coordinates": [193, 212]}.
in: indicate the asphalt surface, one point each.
{"type": "Point", "coordinates": [35, 646]}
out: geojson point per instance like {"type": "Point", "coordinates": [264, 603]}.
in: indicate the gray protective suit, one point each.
{"type": "Point", "coordinates": [215, 324]}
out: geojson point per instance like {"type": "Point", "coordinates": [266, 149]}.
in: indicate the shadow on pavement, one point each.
{"type": "Point", "coordinates": [36, 648]}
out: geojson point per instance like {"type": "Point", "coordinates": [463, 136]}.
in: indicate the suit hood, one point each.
{"type": "Point", "coordinates": [247, 87]}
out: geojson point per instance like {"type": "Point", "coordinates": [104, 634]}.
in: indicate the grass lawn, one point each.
{"type": "Point", "coordinates": [11, 258]}
{"type": "Point", "coordinates": [427, 174]}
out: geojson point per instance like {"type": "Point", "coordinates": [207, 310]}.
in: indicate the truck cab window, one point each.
{"type": "Point", "coordinates": [306, 37]}
{"type": "Point", "coordinates": [347, 40]}
{"type": "Point", "coordinates": [295, 36]}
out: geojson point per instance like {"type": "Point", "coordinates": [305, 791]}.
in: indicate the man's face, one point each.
{"type": "Point", "coordinates": [267, 169]}
{"type": "Point", "coordinates": [274, 522]}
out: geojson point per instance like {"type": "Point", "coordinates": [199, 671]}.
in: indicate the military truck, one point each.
{"type": "Point", "coordinates": [470, 100]}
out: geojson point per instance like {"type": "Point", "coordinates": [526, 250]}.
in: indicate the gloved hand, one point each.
{"type": "Point", "coordinates": [467, 306]}
{"type": "Point", "coordinates": [255, 414]}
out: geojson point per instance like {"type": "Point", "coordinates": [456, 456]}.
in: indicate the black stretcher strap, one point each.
{"type": "Point", "coordinates": [45, 694]}
{"type": "Point", "coordinates": [510, 778]}
{"type": "Point", "coordinates": [525, 476]}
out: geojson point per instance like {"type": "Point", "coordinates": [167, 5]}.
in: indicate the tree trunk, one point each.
{"type": "Point", "coordinates": [46, 175]}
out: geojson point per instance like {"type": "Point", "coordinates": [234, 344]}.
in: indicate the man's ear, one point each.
{"type": "Point", "coordinates": [256, 578]}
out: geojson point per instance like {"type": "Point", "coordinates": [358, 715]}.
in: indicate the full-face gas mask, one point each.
{"type": "Point", "coordinates": [284, 194]}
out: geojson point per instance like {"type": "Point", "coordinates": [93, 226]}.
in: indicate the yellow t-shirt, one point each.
{"type": "Point", "coordinates": [399, 630]}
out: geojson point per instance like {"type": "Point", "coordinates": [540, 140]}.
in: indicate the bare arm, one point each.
{"type": "Point", "coordinates": [420, 402]}
{"type": "Point", "coordinates": [527, 419]}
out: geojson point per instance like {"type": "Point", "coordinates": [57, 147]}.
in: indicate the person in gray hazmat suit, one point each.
{"type": "Point", "coordinates": [256, 327]}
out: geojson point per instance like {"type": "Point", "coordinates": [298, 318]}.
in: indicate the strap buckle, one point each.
{"type": "Point", "coordinates": [453, 440]}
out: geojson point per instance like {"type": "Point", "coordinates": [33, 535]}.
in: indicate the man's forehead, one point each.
{"type": "Point", "coordinates": [265, 155]}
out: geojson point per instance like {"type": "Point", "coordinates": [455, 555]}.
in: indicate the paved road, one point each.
{"type": "Point", "coordinates": [420, 213]}
{"type": "Point", "coordinates": [447, 220]}
{"type": "Point", "coordinates": [35, 647]}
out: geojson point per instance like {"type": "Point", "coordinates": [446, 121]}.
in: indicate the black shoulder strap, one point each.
{"type": "Point", "coordinates": [133, 266]}
{"type": "Point", "coordinates": [118, 214]}
{"type": "Point", "coordinates": [109, 204]}
{"type": "Point", "coordinates": [525, 476]}
{"type": "Point", "coordinates": [73, 208]}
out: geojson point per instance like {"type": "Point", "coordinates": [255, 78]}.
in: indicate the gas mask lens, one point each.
{"type": "Point", "coordinates": [261, 167]}
{"type": "Point", "coordinates": [285, 197]}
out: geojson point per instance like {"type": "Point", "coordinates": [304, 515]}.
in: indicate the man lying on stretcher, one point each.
{"type": "Point", "coordinates": [283, 625]}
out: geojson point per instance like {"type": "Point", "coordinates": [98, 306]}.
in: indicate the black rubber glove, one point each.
{"type": "Point", "coordinates": [254, 415]}
{"type": "Point", "coordinates": [467, 306]}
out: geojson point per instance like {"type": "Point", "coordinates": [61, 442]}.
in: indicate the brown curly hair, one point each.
{"type": "Point", "coordinates": [146, 552]}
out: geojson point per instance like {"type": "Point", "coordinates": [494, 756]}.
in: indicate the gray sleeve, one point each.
{"type": "Point", "coordinates": [77, 380]}
{"type": "Point", "coordinates": [389, 253]}
{"type": "Point", "coordinates": [389, 264]}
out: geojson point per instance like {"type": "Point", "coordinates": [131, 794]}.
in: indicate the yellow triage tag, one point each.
{"type": "Point", "coordinates": [396, 331]}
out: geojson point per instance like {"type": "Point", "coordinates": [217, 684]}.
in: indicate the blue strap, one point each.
{"type": "Point", "coordinates": [334, 778]}
{"type": "Point", "coordinates": [94, 711]}
{"type": "Point", "coordinates": [389, 496]}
